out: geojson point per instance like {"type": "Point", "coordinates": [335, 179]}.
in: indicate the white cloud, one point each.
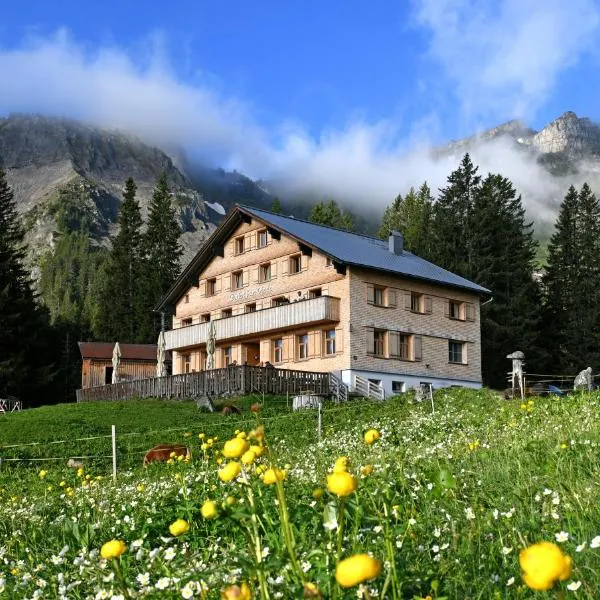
{"type": "Point", "coordinates": [503, 57]}
{"type": "Point", "coordinates": [365, 164]}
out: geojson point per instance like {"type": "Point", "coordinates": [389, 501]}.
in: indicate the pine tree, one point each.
{"type": "Point", "coordinates": [332, 215]}
{"type": "Point", "coordinates": [162, 251]}
{"type": "Point", "coordinates": [453, 226]}
{"type": "Point", "coordinates": [572, 306]}
{"type": "Point", "coordinates": [276, 206]}
{"type": "Point", "coordinates": [503, 261]}
{"type": "Point", "coordinates": [24, 364]}
{"type": "Point", "coordinates": [122, 302]}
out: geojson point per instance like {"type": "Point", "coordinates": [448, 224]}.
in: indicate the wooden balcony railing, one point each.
{"type": "Point", "coordinates": [304, 312]}
{"type": "Point", "coordinates": [230, 381]}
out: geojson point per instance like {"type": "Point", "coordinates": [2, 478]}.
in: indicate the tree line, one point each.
{"type": "Point", "coordinates": [475, 226]}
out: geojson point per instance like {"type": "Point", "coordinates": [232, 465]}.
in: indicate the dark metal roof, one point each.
{"type": "Point", "coordinates": [341, 246]}
{"type": "Point", "coordinates": [364, 251]}
{"type": "Point", "coordinates": [104, 350]}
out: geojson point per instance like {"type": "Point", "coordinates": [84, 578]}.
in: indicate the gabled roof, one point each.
{"type": "Point", "coordinates": [341, 246]}
{"type": "Point", "coordinates": [104, 350]}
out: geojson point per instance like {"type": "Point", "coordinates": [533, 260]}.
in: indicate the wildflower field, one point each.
{"type": "Point", "coordinates": [483, 498]}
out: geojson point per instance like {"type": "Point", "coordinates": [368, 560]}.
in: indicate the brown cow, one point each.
{"type": "Point", "coordinates": [230, 410]}
{"type": "Point", "coordinates": [162, 453]}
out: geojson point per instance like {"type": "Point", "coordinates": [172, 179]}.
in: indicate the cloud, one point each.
{"type": "Point", "coordinates": [504, 57]}
{"type": "Point", "coordinates": [364, 165]}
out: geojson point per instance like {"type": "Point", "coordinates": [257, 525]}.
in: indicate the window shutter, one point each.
{"type": "Point", "coordinates": [255, 274]}
{"type": "Point", "coordinates": [274, 269]}
{"type": "Point", "coordinates": [251, 240]}
{"type": "Point", "coordinates": [288, 348]}
{"type": "Point", "coordinates": [447, 308]}
{"type": "Point", "coordinates": [339, 340]}
{"type": "Point", "coordinates": [408, 301]}
{"type": "Point", "coordinates": [370, 294]}
{"type": "Point", "coordinates": [394, 339]}
{"type": "Point", "coordinates": [470, 311]}
{"type": "Point", "coordinates": [245, 278]}
{"type": "Point", "coordinates": [304, 262]}
{"type": "Point", "coordinates": [285, 265]}
{"type": "Point", "coordinates": [227, 282]}
{"type": "Point", "coordinates": [313, 344]}
{"type": "Point", "coordinates": [465, 356]}
{"type": "Point", "coordinates": [218, 284]}
{"type": "Point", "coordinates": [391, 298]}
{"type": "Point", "coordinates": [428, 304]}
{"type": "Point", "coordinates": [202, 289]}
{"type": "Point", "coordinates": [370, 341]}
{"type": "Point", "coordinates": [417, 347]}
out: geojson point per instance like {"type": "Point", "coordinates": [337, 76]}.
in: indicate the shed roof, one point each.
{"type": "Point", "coordinates": [104, 350]}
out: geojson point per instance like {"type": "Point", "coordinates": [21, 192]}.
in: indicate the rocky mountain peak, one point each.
{"type": "Point", "coordinates": [568, 134]}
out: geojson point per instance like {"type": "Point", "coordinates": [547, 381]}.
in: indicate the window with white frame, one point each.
{"type": "Point", "coordinates": [456, 352]}
{"type": "Point", "coordinates": [329, 335]}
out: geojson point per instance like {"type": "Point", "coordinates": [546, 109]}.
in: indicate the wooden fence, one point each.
{"type": "Point", "coordinates": [229, 381]}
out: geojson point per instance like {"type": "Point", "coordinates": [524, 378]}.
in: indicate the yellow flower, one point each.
{"type": "Point", "coordinates": [372, 435]}
{"type": "Point", "coordinates": [230, 471]}
{"type": "Point", "coordinates": [258, 433]}
{"type": "Point", "coordinates": [564, 446]}
{"type": "Point", "coordinates": [367, 470]}
{"type": "Point", "coordinates": [317, 493]}
{"type": "Point", "coordinates": [113, 549]}
{"type": "Point", "coordinates": [543, 564]}
{"type": "Point", "coordinates": [356, 569]}
{"type": "Point", "coordinates": [230, 501]}
{"type": "Point", "coordinates": [258, 450]}
{"type": "Point", "coordinates": [248, 457]}
{"type": "Point", "coordinates": [187, 434]}
{"type": "Point", "coordinates": [204, 447]}
{"type": "Point", "coordinates": [341, 484]}
{"type": "Point", "coordinates": [235, 448]}
{"type": "Point", "coordinates": [341, 464]}
{"type": "Point", "coordinates": [201, 436]}
{"type": "Point", "coordinates": [272, 476]}
{"type": "Point", "coordinates": [260, 469]}
{"type": "Point", "coordinates": [209, 510]}
{"type": "Point", "coordinates": [140, 487]}
{"type": "Point", "coordinates": [80, 472]}
{"type": "Point", "coordinates": [43, 474]}
{"type": "Point", "coordinates": [242, 435]}
{"type": "Point", "coordinates": [311, 590]}
{"type": "Point", "coordinates": [237, 592]}
{"type": "Point", "coordinates": [62, 483]}
{"type": "Point", "coordinates": [179, 527]}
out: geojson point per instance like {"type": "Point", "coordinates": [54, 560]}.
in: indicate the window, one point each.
{"type": "Point", "coordinates": [404, 346]}
{"type": "Point", "coordinates": [264, 272]}
{"type": "Point", "coordinates": [261, 238]}
{"type": "Point", "coordinates": [378, 295]}
{"type": "Point", "coordinates": [280, 301]}
{"type": "Point", "coordinates": [316, 293]}
{"type": "Point", "coordinates": [295, 264]}
{"type": "Point", "coordinates": [205, 318]}
{"type": "Point", "coordinates": [278, 350]}
{"type": "Point", "coordinates": [330, 341]}
{"type": "Point", "coordinates": [237, 280]}
{"type": "Point", "coordinates": [397, 387]}
{"type": "Point", "coordinates": [250, 307]}
{"type": "Point", "coordinates": [378, 342]}
{"type": "Point", "coordinates": [227, 355]}
{"type": "Point", "coordinates": [187, 299]}
{"type": "Point", "coordinates": [328, 262]}
{"type": "Point", "coordinates": [187, 363]}
{"type": "Point", "coordinates": [226, 312]}
{"type": "Point", "coordinates": [416, 302]}
{"type": "Point", "coordinates": [456, 352]}
{"type": "Point", "coordinates": [211, 287]}
{"type": "Point", "coordinates": [239, 245]}
{"type": "Point", "coordinates": [302, 346]}
{"type": "Point", "coordinates": [456, 310]}
{"type": "Point", "coordinates": [186, 322]}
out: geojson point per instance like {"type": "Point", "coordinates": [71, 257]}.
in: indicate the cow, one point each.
{"type": "Point", "coordinates": [163, 452]}
{"type": "Point", "coordinates": [230, 410]}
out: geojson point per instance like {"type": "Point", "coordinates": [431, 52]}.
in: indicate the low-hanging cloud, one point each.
{"type": "Point", "coordinates": [364, 165]}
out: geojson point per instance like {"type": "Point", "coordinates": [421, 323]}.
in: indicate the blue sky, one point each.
{"type": "Point", "coordinates": [330, 88]}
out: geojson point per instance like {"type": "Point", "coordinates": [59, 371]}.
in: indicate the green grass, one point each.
{"type": "Point", "coordinates": [453, 497]}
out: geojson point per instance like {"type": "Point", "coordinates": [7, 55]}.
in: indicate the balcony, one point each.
{"type": "Point", "coordinates": [325, 309]}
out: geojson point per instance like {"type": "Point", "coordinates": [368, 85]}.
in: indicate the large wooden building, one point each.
{"type": "Point", "coordinates": [299, 295]}
{"type": "Point", "coordinates": [138, 361]}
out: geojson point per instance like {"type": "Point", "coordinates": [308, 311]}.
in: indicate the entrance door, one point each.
{"type": "Point", "coordinates": [252, 353]}
{"type": "Point", "coordinates": [108, 371]}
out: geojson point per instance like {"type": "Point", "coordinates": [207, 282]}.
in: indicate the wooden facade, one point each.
{"type": "Point", "coordinates": [138, 361]}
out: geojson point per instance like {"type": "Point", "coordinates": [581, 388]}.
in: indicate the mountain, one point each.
{"type": "Point", "coordinates": [61, 168]}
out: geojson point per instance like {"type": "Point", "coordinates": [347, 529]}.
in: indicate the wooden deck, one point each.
{"type": "Point", "coordinates": [238, 380]}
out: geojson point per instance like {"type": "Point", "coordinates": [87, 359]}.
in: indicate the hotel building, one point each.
{"type": "Point", "coordinates": [303, 296]}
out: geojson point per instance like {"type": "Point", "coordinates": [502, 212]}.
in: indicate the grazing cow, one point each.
{"type": "Point", "coordinates": [162, 453]}
{"type": "Point", "coordinates": [231, 410]}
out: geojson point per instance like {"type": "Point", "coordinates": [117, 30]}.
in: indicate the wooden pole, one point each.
{"type": "Point", "coordinates": [114, 452]}
{"type": "Point", "coordinates": [319, 420]}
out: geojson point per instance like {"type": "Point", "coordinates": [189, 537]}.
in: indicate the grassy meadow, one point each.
{"type": "Point", "coordinates": [444, 501]}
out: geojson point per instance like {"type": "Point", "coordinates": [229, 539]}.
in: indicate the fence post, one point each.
{"type": "Point", "coordinates": [114, 452]}
{"type": "Point", "coordinates": [319, 420]}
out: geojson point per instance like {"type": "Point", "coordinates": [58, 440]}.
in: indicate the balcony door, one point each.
{"type": "Point", "coordinates": [252, 353]}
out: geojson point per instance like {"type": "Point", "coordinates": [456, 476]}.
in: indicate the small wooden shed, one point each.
{"type": "Point", "coordinates": [138, 361]}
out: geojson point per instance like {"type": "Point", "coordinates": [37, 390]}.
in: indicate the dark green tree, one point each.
{"type": "Point", "coordinates": [122, 305]}
{"type": "Point", "coordinates": [162, 252]}
{"type": "Point", "coordinates": [25, 367]}
{"type": "Point", "coordinates": [330, 214]}
{"type": "Point", "coordinates": [276, 206]}
{"type": "Point", "coordinates": [504, 252]}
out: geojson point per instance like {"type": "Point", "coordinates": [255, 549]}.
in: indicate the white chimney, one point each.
{"type": "Point", "coordinates": [396, 242]}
